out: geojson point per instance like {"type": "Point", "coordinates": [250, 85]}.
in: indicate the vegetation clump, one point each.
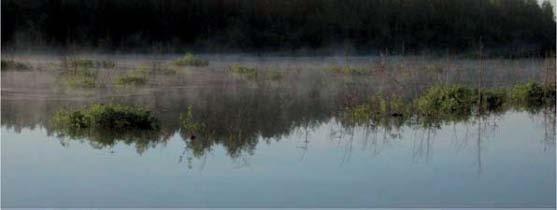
{"type": "Point", "coordinates": [13, 65]}
{"type": "Point", "coordinates": [252, 73]}
{"type": "Point", "coordinates": [191, 60]}
{"type": "Point", "coordinates": [136, 77]}
{"type": "Point", "coordinates": [80, 78]}
{"type": "Point", "coordinates": [378, 110]}
{"type": "Point", "coordinates": [188, 123]}
{"type": "Point", "coordinates": [111, 116]}
{"type": "Point", "coordinates": [532, 94]}
{"type": "Point", "coordinates": [131, 80]}
{"type": "Point", "coordinates": [446, 100]}
{"type": "Point", "coordinates": [448, 103]}
{"type": "Point", "coordinates": [248, 72]}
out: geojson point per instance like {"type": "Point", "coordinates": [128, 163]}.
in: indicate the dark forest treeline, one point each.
{"type": "Point", "coordinates": [518, 26]}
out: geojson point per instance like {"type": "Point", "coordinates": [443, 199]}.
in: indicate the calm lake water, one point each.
{"type": "Point", "coordinates": [276, 142]}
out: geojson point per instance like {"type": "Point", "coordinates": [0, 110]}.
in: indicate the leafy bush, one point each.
{"type": "Point", "coordinates": [110, 116]}
{"type": "Point", "coordinates": [446, 100]}
{"type": "Point", "coordinates": [191, 60]}
{"type": "Point", "coordinates": [532, 94]}
{"type": "Point", "coordinates": [135, 77]}
{"type": "Point", "coordinates": [248, 72]}
{"type": "Point", "coordinates": [131, 79]}
{"type": "Point", "coordinates": [188, 123]}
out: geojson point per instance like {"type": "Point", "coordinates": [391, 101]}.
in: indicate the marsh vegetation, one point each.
{"type": "Point", "coordinates": [13, 65]}
{"type": "Point", "coordinates": [241, 110]}
{"type": "Point", "coordinates": [241, 103]}
{"type": "Point", "coordinates": [191, 60]}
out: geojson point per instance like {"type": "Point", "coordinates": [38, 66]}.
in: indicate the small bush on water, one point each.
{"type": "Point", "coordinates": [136, 77]}
{"type": "Point", "coordinates": [360, 114]}
{"type": "Point", "coordinates": [378, 110]}
{"type": "Point", "coordinates": [107, 117]}
{"type": "Point", "coordinates": [187, 121]}
{"type": "Point", "coordinates": [191, 60]}
{"type": "Point", "coordinates": [446, 100]}
{"type": "Point", "coordinates": [13, 65]}
{"type": "Point", "coordinates": [450, 103]}
{"type": "Point", "coordinates": [131, 79]}
{"type": "Point", "coordinates": [248, 72]}
{"type": "Point", "coordinates": [532, 94]}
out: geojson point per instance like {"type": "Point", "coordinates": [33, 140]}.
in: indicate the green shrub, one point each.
{"type": "Point", "coordinates": [131, 79]}
{"type": "Point", "coordinates": [13, 65]}
{"type": "Point", "coordinates": [530, 94]}
{"type": "Point", "coordinates": [446, 100]}
{"type": "Point", "coordinates": [191, 60]}
{"type": "Point", "coordinates": [135, 77]}
{"type": "Point", "coordinates": [110, 116]}
{"type": "Point", "coordinates": [83, 63]}
{"type": "Point", "coordinates": [189, 125]}
{"type": "Point", "coordinates": [247, 72]}
{"type": "Point", "coordinates": [360, 114]}
{"type": "Point", "coordinates": [81, 82]}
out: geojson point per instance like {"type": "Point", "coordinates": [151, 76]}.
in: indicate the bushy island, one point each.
{"type": "Point", "coordinates": [103, 126]}
{"type": "Point", "coordinates": [107, 116]}
{"type": "Point", "coordinates": [191, 60]}
{"type": "Point", "coordinates": [450, 103]}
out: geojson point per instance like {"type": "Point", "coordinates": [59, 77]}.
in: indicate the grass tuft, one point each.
{"type": "Point", "coordinates": [247, 72]}
{"type": "Point", "coordinates": [191, 60]}
{"type": "Point", "coordinates": [135, 77]}
{"type": "Point", "coordinates": [131, 79]}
